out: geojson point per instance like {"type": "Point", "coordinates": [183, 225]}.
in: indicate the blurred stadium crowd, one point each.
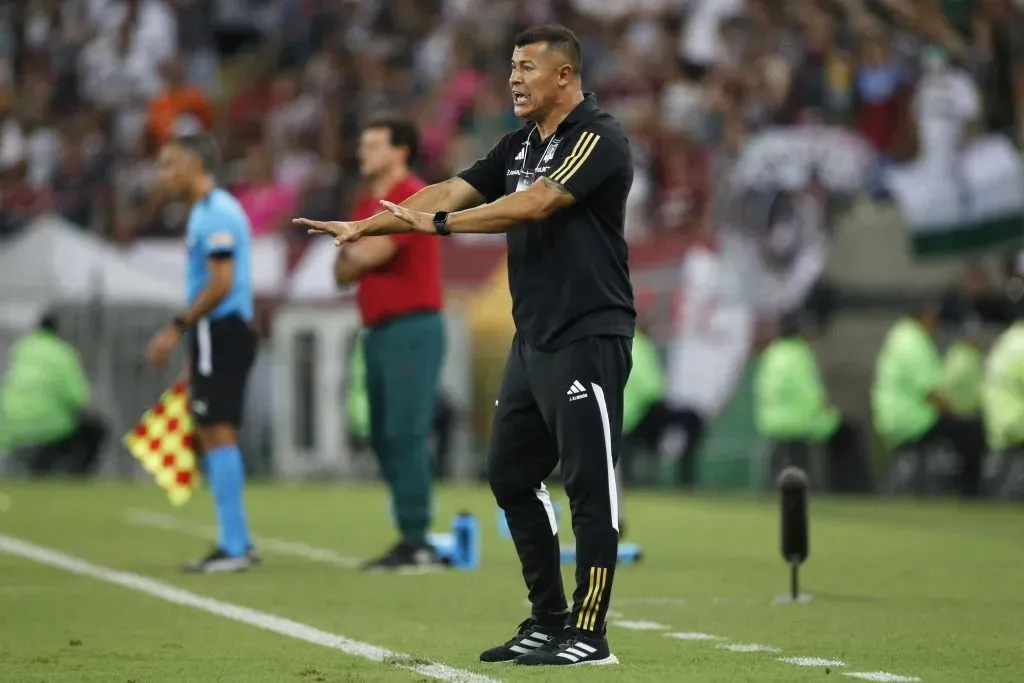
{"type": "Point", "coordinates": [89, 88]}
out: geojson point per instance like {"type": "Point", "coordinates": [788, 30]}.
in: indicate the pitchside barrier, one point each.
{"type": "Point", "coordinates": [312, 350]}
{"type": "Point", "coordinates": [111, 340]}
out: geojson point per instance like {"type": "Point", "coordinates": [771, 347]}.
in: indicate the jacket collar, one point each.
{"type": "Point", "coordinates": [584, 111]}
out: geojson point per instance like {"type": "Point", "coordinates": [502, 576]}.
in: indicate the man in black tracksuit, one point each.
{"type": "Point", "coordinates": [561, 395]}
{"type": "Point", "coordinates": [558, 187]}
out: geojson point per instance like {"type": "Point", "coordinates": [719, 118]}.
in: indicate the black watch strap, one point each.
{"type": "Point", "coordinates": [441, 223]}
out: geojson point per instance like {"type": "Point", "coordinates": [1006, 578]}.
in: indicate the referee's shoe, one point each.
{"type": "Point", "coordinates": [219, 562]}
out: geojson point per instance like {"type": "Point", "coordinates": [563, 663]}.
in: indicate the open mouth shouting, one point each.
{"type": "Point", "coordinates": [519, 98]}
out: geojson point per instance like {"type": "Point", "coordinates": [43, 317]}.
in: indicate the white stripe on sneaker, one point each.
{"type": "Point", "coordinates": [531, 643]}
{"type": "Point", "coordinates": [589, 649]}
{"type": "Point", "coordinates": [579, 653]}
{"type": "Point", "coordinates": [520, 650]}
{"type": "Point", "coordinates": [571, 658]}
{"type": "Point", "coordinates": [537, 635]}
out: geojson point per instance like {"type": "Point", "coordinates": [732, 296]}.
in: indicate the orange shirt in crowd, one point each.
{"type": "Point", "coordinates": [168, 106]}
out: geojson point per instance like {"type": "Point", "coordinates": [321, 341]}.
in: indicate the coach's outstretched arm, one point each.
{"type": "Point", "coordinates": [595, 159]}
{"type": "Point", "coordinates": [450, 195]}
{"type": "Point", "coordinates": [538, 202]}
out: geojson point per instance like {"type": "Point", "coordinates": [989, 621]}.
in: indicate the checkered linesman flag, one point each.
{"type": "Point", "coordinates": [162, 442]}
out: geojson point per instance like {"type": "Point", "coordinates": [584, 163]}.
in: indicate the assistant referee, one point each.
{"type": "Point", "coordinates": [558, 186]}
{"type": "Point", "coordinates": [222, 345]}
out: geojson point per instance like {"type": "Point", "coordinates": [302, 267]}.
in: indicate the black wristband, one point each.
{"type": "Point", "coordinates": [441, 223]}
{"type": "Point", "coordinates": [180, 323]}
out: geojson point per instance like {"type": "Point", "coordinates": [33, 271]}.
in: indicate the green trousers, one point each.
{"type": "Point", "coordinates": [403, 368]}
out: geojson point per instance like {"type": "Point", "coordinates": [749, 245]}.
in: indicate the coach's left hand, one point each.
{"type": "Point", "coordinates": [417, 220]}
{"type": "Point", "coordinates": [161, 346]}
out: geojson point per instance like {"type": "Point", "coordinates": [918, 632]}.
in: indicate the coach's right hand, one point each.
{"type": "Point", "coordinates": [341, 231]}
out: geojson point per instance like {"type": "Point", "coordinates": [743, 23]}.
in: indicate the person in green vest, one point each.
{"type": "Point", "coordinates": [357, 400]}
{"type": "Point", "coordinates": [791, 407]}
{"type": "Point", "coordinates": [908, 405]}
{"type": "Point", "coordinates": [1002, 401]}
{"type": "Point", "coordinates": [44, 421]}
{"type": "Point", "coordinates": [645, 387]}
{"type": "Point", "coordinates": [644, 413]}
{"type": "Point", "coordinates": [963, 371]}
{"type": "Point", "coordinates": [964, 309]}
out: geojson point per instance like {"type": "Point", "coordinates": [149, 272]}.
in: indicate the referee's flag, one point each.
{"type": "Point", "coordinates": [162, 442]}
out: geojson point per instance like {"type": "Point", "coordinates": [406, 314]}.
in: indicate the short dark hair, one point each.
{"type": "Point", "coordinates": [403, 134]}
{"type": "Point", "coordinates": [556, 37]}
{"type": "Point", "coordinates": [202, 146]}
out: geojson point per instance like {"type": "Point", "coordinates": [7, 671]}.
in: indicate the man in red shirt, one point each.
{"type": "Point", "coordinates": [400, 301]}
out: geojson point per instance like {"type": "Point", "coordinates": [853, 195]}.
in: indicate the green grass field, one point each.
{"type": "Point", "coordinates": [933, 591]}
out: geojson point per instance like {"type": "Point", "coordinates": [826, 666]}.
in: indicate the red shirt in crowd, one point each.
{"type": "Point", "coordinates": [411, 281]}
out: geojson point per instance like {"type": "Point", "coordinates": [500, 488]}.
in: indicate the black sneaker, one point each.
{"type": "Point", "coordinates": [530, 635]}
{"type": "Point", "coordinates": [408, 558]}
{"type": "Point", "coordinates": [254, 557]}
{"type": "Point", "coordinates": [571, 647]}
{"type": "Point", "coordinates": [218, 562]}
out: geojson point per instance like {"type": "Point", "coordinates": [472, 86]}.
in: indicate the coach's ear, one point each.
{"type": "Point", "coordinates": [221, 269]}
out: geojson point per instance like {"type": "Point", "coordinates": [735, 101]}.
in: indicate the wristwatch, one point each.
{"type": "Point", "coordinates": [441, 223]}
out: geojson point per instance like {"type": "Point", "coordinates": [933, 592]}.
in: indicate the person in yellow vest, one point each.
{"type": "Point", "coordinates": [965, 308]}
{"type": "Point", "coordinates": [644, 415]}
{"type": "Point", "coordinates": [1002, 402]}
{"type": "Point", "coordinates": [791, 408]}
{"type": "Point", "coordinates": [908, 405]}
{"type": "Point", "coordinates": [44, 418]}
{"type": "Point", "coordinates": [357, 400]}
{"type": "Point", "coordinates": [963, 371]}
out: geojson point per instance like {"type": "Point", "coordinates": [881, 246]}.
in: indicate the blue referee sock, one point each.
{"type": "Point", "coordinates": [226, 475]}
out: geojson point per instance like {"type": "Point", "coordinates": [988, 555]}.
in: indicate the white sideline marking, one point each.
{"type": "Point", "coordinates": [165, 522]}
{"type": "Point", "coordinates": [641, 625]}
{"type": "Point", "coordinates": [812, 661]}
{"type": "Point", "coordinates": [880, 676]}
{"type": "Point", "coordinates": [692, 636]}
{"type": "Point", "coordinates": [244, 615]}
{"type": "Point", "coordinates": [748, 647]}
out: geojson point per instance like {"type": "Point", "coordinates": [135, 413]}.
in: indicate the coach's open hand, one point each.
{"type": "Point", "coordinates": [417, 220]}
{"type": "Point", "coordinates": [341, 231]}
{"type": "Point", "coordinates": [161, 346]}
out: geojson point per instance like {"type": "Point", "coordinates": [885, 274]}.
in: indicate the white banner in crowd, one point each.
{"type": "Point", "coordinates": [774, 236]}
{"type": "Point", "coordinates": [788, 158]}
{"type": "Point", "coordinates": [711, 340]}
{"type": "Point", "coordinates": [971, 202]}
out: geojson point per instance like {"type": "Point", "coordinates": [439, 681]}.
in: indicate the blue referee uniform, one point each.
{"type": "Point", "coordinates": [222, 351]}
